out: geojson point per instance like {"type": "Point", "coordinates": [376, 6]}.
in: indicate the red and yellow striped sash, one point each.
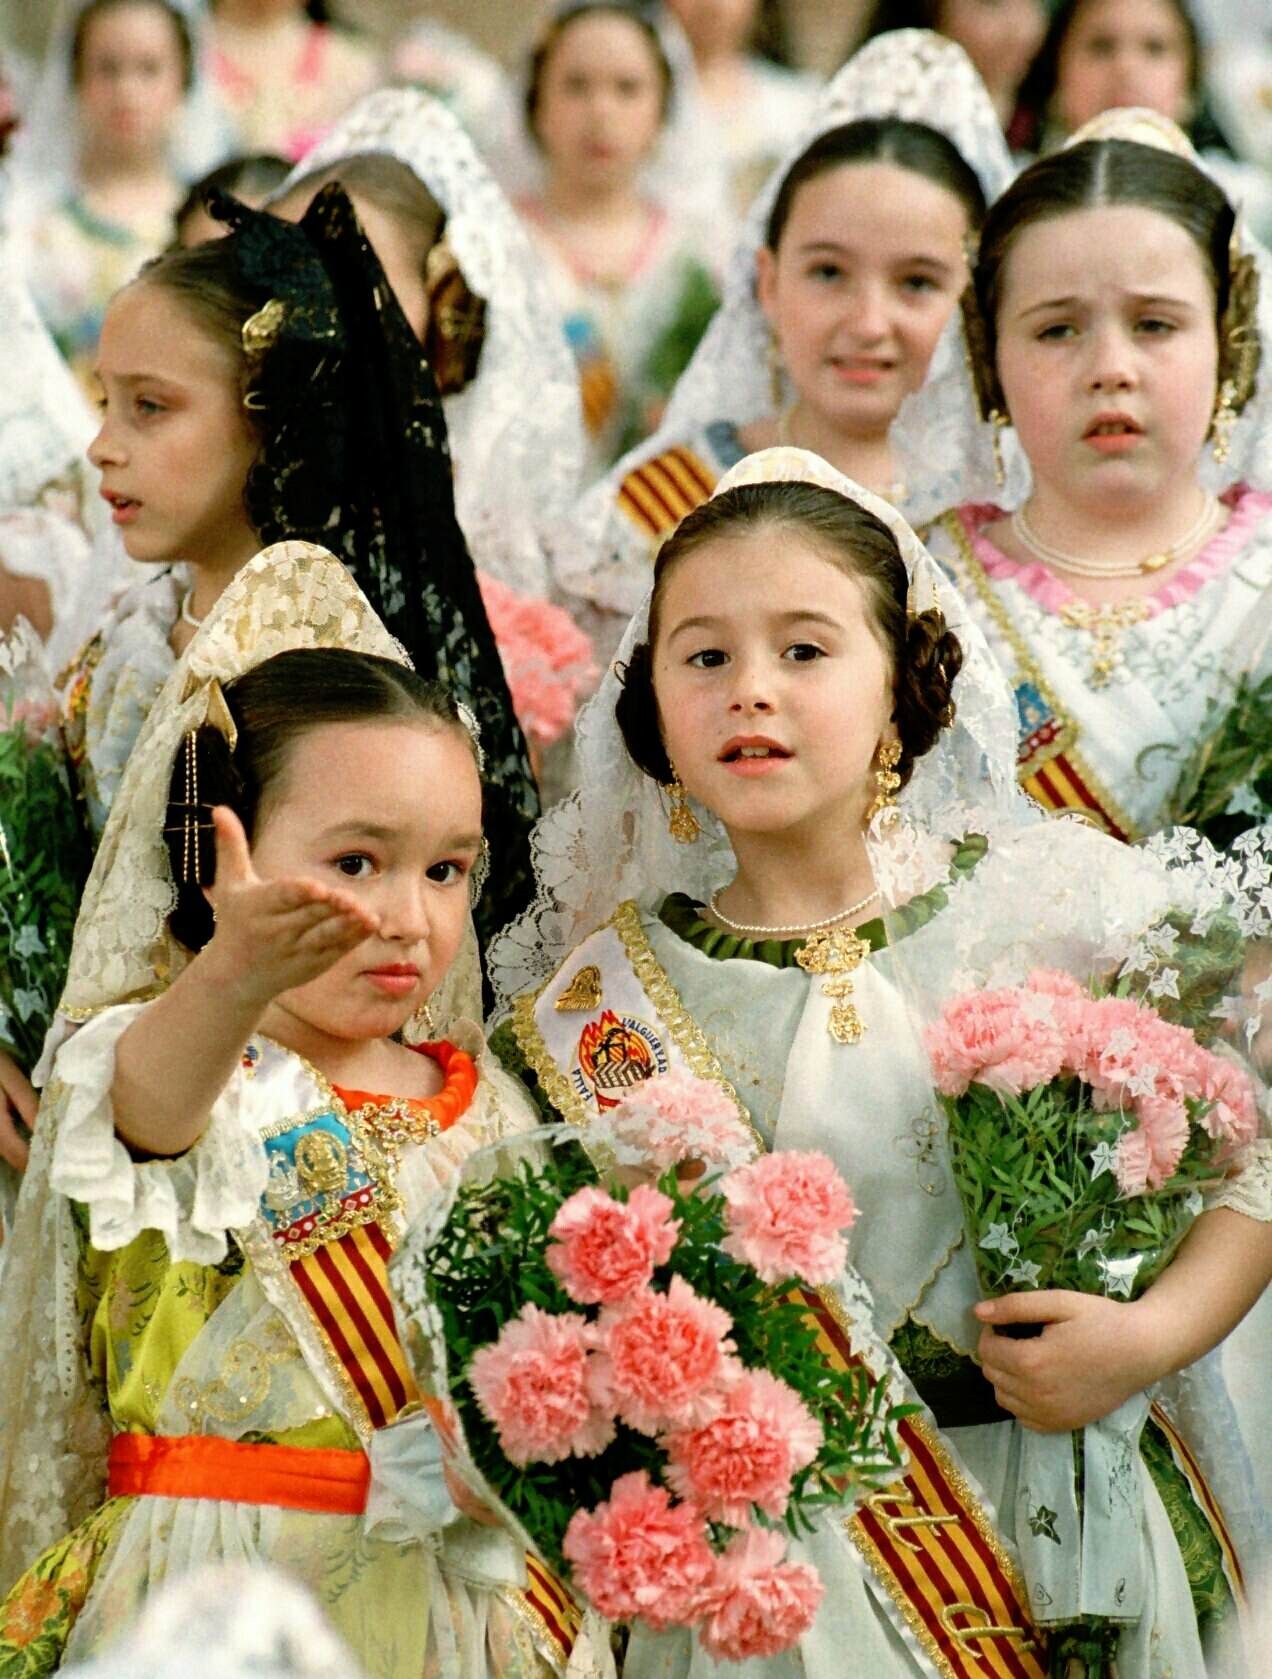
{"type": "Point", "coordinates": [345, 1285]}
{"type": "Point", "coordinates": [658, 493]}
{"type": "Point", "coordinates": [930, 1545]}
{"type": "Point", "coordinates": [1061, 785]}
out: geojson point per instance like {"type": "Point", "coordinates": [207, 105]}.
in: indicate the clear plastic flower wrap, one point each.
{"type": "Point", "coordinates": [638, 1382]}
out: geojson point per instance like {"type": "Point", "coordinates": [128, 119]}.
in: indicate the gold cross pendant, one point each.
{"type": "Point", "coordinates": [837, 952]}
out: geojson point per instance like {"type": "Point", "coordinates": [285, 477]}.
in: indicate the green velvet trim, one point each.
{"type": "Point", "coordinates": [682, 916]}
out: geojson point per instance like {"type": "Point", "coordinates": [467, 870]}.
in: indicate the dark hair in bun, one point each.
{"type": "Point", "coordinates": [273, 705]}
{"type": "Point", "coordinates": [924, 655]}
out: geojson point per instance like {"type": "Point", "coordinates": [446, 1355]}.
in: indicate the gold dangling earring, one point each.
{"type": "Point", "coordinates": [886, 780]}
{"type": "Point", "coordinates": [421, 1028]}
{"type": "Point", "coordinates": [682, 824]}
{"type": "Point", "coordinates": [998, 425]}
{"type": "Point", "coordinates": [1222, 422]}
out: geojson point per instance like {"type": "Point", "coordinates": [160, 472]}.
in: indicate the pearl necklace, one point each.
{"type": "Point", "coordinates": [1203, 527]}
{"type": "Point", "coordinates": [188, 617]}
{"type": "Point", "coordinates": [808, 927]}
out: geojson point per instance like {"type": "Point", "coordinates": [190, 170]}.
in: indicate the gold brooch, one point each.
{"type": "Point", "coordinates": [261, 329]}
{"type": "Point", "coordinates": [583, 993]}
{"type": "Point", "coordinates": [837, 952]}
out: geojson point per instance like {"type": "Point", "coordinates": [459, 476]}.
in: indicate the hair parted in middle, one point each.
{"type": "Point", "coordinates": [642, 16]}
{"type": "Point", "coordinates": [273, 706]}
{"type": "Point", "coordinates": [923, 654]}
{"type": "Point", "coordinates": [1093, 175]}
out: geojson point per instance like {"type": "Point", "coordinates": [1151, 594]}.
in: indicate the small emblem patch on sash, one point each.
{"type": "Point", "coordinates": [616, 1052]}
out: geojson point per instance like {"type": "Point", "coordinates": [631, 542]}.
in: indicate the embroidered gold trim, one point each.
{"type": "Point", "coordinates": [1028, 667]}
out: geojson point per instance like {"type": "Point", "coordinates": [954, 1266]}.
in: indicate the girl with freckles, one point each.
{"type": "Point", "coordinates": [1123, 570]}
{"type": "Point", "coordinates": [850, 263]}
{"type": "Point", "coordinates": [280, 1064]}
{"type": "Point", "coordinates": [797, 824]}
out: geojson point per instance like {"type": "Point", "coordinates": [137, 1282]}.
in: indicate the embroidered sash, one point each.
{"type": "Point", "coordinates": [331, 1211]}
{"type": "Point", "coordinates": [1206, 1503]}
{"type": "Point", "coordinates": [658, 493]}
{"type": "Point", "coordinates": [610, 1017]}
{"type": "Point", "coordinates": [1049, 765]}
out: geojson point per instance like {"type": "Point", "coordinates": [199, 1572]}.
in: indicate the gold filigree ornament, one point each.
{"type": "Point", "coordinates": [837, 952]}
{"type": "Point", "coordinates": [583, 993]}
{"type": "Point", "coordinates": [398, 1124]}
{"type": "Point", "coordinates": [1106, 625]}
{"type": "Point", "coordinates": [261, 330]}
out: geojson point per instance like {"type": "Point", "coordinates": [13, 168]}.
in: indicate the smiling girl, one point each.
{"type": "Point", "coordinates": [850, 265]}
{"type": "Point", "coordinates": [631, 275]}
{"type": "Point", "coordinates": [725, 895]}
{"type": "Point", "coordinates": [230, 1162]}
{"type": "Point", "coordinates": [1126, 599]}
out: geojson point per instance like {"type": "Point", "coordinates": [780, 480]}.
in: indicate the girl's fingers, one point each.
{"type": "Point", "coordinates": [19, 1090]}
{"type": "Point", "coordinates": [13, 1146]}
{"type": "Point", "coordinates": [233, 856]}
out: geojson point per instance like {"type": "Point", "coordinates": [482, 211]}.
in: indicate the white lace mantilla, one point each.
{"type": "Point", "coordinates": [516, 431]}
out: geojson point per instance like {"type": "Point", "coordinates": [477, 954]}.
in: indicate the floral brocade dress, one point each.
{"type": "Point", "coordinates": [746, 1008]}
{"type": "Point", "coordinates": [242, 1363]}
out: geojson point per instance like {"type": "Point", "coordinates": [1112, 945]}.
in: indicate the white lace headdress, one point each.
{"type": "Point", "coordinates": [46, 147]}
{"type": "Point", "coordinates": [943, 444]}
{"type": "Point", "coordinates": [609, 841]}
{"type": "Point", "coordinates": [911, 74]}
{"type": "Point", "coordinates": [516, 432]}
{"type": "Point", "coordinates": [293, 594]}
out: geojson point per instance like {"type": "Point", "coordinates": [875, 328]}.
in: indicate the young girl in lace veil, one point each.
{"type": "Point", "coordinates": [1121, 566]}
{"type": "Point", "coordinates": [851, 260]}
{"type": "Point", "coordinates": [97, 216]}
{"type": "Point", "coordinates": [473, 290]}
{"type": "Point", "coordinates": [799, 668]}
{"type": "Point", "coordinates": [754, 105]}
{"type": "Point", "coordinates": [631, 270]}
{"type": "Point", "coordinates": [231, 1145]}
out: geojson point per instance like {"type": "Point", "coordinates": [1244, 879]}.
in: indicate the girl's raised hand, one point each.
{"type": "Point", "coordinates": [274, 935]}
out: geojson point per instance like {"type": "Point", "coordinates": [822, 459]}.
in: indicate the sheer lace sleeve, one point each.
{"type": "Point", "coordinates": [1248, 1187]}
{"type": "Point", "coordinates": [192, 1200]}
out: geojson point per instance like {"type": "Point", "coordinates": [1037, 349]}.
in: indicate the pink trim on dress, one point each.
{"type": "Point", "coordinates": [646, 251]}
{"type": "Point", "coordinates": [1246, 507]}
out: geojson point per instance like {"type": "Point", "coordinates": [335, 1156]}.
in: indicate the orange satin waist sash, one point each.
{"type": "Point", "coordinates": [330, 1481]}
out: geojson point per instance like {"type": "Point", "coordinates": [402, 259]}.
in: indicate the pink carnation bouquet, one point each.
{"type": "Point", "coordinates": [1082, 1128]}
{"type": "Point", "coordinates": [638, 1378]}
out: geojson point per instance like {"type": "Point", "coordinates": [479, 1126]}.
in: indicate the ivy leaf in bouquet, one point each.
{"type": "Point", "coordinates": [636, 1371]}
{"type": "Point", "coordinates": [44, 854]}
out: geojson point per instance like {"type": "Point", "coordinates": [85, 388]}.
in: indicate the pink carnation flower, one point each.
{"type": "Point", "coordinates": [748, 1454]}
{"type": "Point", "coordinates": [664, 1358]}
{"type": "Point", "coordinates": [604, 1250]}
{"type": "Point", "coordinates": [786, 1214]}
{"type": "Point", "coordinates": [546, 657]}
{"type": "Point", "coordinates": [991, 1038]}
{"type": "Point", "coordinates": [662, 1121]}
{"type": "Point", "coordinates": [1234, 1118]}
{"type": "Point", "coordinates": [1149, 1154]}
{"type": "Point", "coordinates": [534, 1384]}
{"type": "Point", "coordinates": [640, 1554]}
{"type": "Point", "coordinates": [757, 1605]}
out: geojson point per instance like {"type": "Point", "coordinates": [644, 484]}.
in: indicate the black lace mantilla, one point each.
{"type": "Point", "coordinates": [355, 456]}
